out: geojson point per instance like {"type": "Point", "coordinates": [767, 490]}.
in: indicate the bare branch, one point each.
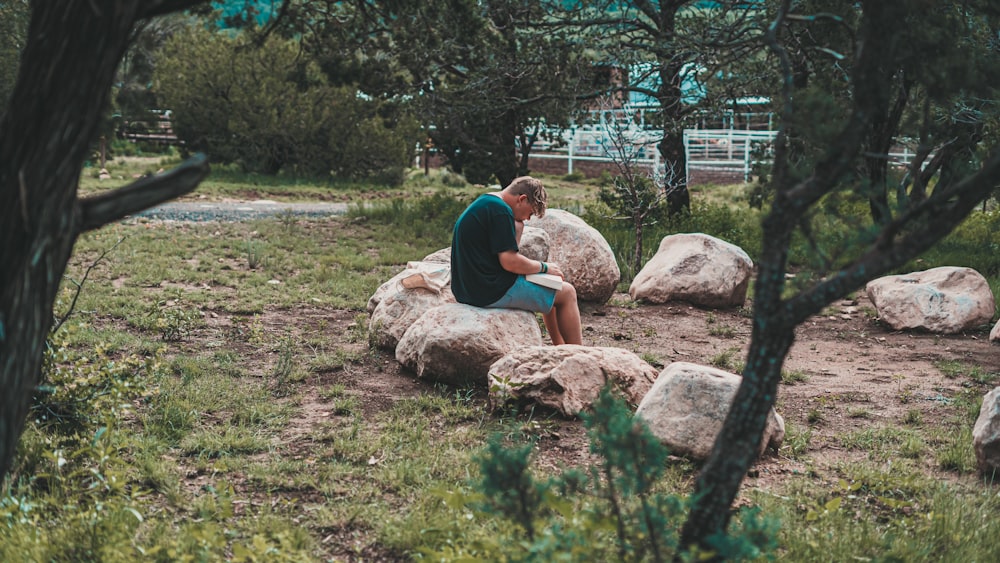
{"type": "Point", "coordinates": [79, 284]}
{"type": "Point", "coordinates": [97, 211]}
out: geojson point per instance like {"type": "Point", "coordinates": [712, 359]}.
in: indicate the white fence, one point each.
{"type": "Point", "coordinates": [710, 153]}
{"type": "Point", "coordinates": [596, 144]}
{"type": "Point", "coordinates": [723, 151]}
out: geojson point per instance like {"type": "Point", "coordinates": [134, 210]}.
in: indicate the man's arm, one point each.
{"type": "Point", "coordinates": [516, 263]}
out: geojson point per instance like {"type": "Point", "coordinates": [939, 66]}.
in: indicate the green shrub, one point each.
{"type": "Point", "coordinates": [78, 392]}
{"type": "Point", "coordinates": [612, 511]}
{"type": "Point", "coordinates": [270, 109]}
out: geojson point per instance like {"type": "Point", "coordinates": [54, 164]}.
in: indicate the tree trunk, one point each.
{"type": "Point", "coordinates": [64, 81]}
{"type": "Point", "coordinates": [738, 442]}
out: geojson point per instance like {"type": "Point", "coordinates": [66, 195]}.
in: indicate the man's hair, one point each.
{"type": "Point", "coordinates": [531, 187]}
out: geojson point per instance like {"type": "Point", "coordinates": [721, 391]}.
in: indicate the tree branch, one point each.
{"type": "Point", "coordinates": [163, 7]}
{"type": "Point", "coordinates": [940, 215]}
{"type": "Point", "coordinates": [97, 211]}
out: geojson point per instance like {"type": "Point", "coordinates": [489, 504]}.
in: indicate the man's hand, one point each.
{"type": "Point", "coordinates": [554, 270]}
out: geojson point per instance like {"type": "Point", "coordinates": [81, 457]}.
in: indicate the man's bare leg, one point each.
{"type": "Point", "coordinates": [563, 321]}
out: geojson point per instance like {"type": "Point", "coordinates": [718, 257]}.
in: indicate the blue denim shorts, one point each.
{"type": "Point", "coordinates": [527, 296]}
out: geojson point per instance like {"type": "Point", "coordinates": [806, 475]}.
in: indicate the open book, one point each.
{"type": "Point", "coordinates": [546, 280]}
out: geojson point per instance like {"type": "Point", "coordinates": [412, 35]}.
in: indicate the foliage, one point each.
{"type": "Point", "coordinates": [78, 391]}
{"type": "Point", "coordinates": [271, 110]}
{"type": "Point", "coordinates": [485, 79]}
{"type": "Point", "coordinates": [614, 511]}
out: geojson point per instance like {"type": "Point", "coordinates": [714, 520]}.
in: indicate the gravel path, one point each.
{"type": "Point", "coordinates": [238, 210]}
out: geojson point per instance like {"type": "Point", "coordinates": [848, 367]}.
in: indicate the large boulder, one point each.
{"type": "Point", "coordinates": [687, 405]}
{"type": "Point", "coordinates": [436, 271]}
{"type": "Point", "coordinates": [943, 300]}
{"type": "Point", "coordinates": [995, 333]}
{"type": "Point", "coordinates": [568, 378]}
{"type": "Point", "coordinates": [456, 343]}
{"type": "Point", "coordinates": [986, 433]}
{"type": "Point", "coordinates": [696, 268]}
{"type": "Point", "coordinates": [583, 255]}
{"type": "Point", "coordinates": [396, 312]}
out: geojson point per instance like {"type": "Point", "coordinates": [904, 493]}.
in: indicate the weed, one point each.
{"type": "Point", "coordinates": [913, 417]}
{"type": "Point", "coordinates": [724, 360]}
{"type": "Point", "coordinates": [796, 441]}
{"type": "Point", "coordinates": [814, 416]}
{"type": "Point", "coordinates": [957, 454]}
{"type": "Point", "coordinates": [793, 377]}
{"type": "Point", "coordinates": [858, 412]}
{"type": "Point", "coordinates": [722, 331]}
{"type": "Point", "coordinates": [283, 370]}
{"type": "Point", "coordinates": [651, 359]}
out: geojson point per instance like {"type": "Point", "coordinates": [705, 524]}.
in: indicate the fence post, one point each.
{"type": "Point", "coordinates": [746, 159]}
{"type": "Point", "coordinates": [569, 153]}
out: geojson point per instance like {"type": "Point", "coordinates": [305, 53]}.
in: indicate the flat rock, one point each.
{"type": "Point", "coordinates": [568, 378]}
{"type": "Point", "coordinates": [457, 344]}
{"type": "Point", "coordinates": [942, 300]}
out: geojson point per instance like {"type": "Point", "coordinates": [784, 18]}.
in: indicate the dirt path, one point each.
{"type": "Point", "coordinates": [851, 374]}
{"type": "Point", "coordinates": [238, 210]}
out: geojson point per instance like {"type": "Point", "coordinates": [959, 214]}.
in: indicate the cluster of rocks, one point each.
{"type": "Point", "coordinates": [415, 315]}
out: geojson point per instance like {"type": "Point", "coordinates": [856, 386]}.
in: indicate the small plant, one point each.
{"type": "Point", "coordinates": [814, 416]}
{"type": "Point", "coordinates": [174, 323]}
{"type": "Point", "coordinates": [858, 412]}
{"type": "Point", "coordinates": [796, 441]}
{"type": "Point", "coordinates": [651, 359]}
{"type": "Point", "coordinates": [611, 511]}
{"type": "Point", "coordinates": [913, 417]}
{"type": "Point", "coordinates": [287, 219]}
{"type": "Point", "coordinates": [332, 392]}
{"type": "Point", "coordinates": [957, 453]}
{"type": "Point", "coordinates": [281, 374]}
{"type": "Point", "coordinates": [255, 255]}
{"type": "Point", "coordinates": [722, 331]}
{"type": "Point", "coordinates": [793, 377]}
{"type": "Point", "coordinates": [724, 360]}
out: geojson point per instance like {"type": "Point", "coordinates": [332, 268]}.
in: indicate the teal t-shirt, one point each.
{"type": "Point", "coordinates": [484, 230]}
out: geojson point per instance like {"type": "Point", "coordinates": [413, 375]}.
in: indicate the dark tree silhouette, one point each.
{"type": "Point", "coordinates": [918, 224]}
{"type": "Point", "coordinates": [63, 85]}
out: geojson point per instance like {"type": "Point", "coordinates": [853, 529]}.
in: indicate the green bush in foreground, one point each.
{"type": "Point", "coordinates": [613, 511]}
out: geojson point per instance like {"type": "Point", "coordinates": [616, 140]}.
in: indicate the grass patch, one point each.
{"type": "Point", "coordinates": [207, 457]}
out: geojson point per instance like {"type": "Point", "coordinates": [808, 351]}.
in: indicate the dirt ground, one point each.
{"type": "Point", "coordinates": [854, 373]}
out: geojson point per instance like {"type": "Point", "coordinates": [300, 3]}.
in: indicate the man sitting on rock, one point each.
{"type": "Point", "coordinates": [487, 271]}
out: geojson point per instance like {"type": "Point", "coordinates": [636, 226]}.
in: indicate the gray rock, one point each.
{"type": "Point", "coordinates": [688, 404]}
{"type": "Point", "coordinates": [986, 433]}
{"type": "Point", "coordinates": [943, 300]}
{"type": "Point", "coordinates": [456, 343]}
{"type": "Point", "coordinates": [568, 378]}
{"type": "Point", "coordinates": [582, 253]}
{"type": "Point", "coordinates": [695, 268]}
